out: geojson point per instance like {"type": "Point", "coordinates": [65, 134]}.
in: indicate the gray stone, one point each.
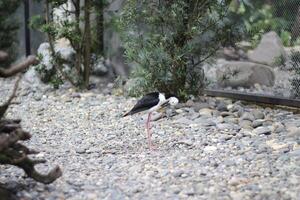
{"type": "Point", "coordinates": [190, 103]}
{"type": "Point", "coordinates": [183, 120]}
{"type": "Point", "coordinates": [278, 127]}
{"type": "Point", "coordinates": [258, 114]}
{"type": "Point", "coordinates": [205, 122]}
{"type": "Point", "coordinates": [198, 106]}
{"type": "Point", "coordinates": [245, 74]}
{"type": "Point", "coordinates": [66, 52]}
{"type": "Point", "coordinates": [247, 116]}
{"type": "Point", "coordinates": [206, 112]}
{"type": "Point", "coordinates": [257, 123]}
{"type": "Point", "coordinates": [269, 49]}
{"type": "Point", "coordinates": [225, 114]}
{"type": "Point", "coordinates": [226, 126]}
{"type": "Point", "coordinates": [246, 124]}
{"type": "Point", "coordinates": [231, 120]}
{"type": "Point", "coordinates": [80, 150]}
{"type": "Point", "coordinates": [98, 68]}
{"type": "Point", "coordinates": [262, 131]}
{"type": "Point", "coordinates": [222, 107]}
{"type": "Point", "coordinates": [210, 149]}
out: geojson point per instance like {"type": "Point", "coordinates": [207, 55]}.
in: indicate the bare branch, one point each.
{"type": "Point", "coordinates": [18, 68]}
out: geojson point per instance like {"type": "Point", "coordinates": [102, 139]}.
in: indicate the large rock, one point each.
{"type": "Point", "coordinates": [98, 67]}
{"type": "Point", "coordinates": [244, 74]}
{"type": "Point", "coordinates": [46, 57]}
{"type": "Point", "coordinates": [269, 50]}
{"type": "Point", "coordinates": [62, 47]}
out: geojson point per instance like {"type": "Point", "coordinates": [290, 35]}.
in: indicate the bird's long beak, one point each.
{"type": "Point", "coordinates": [165, 104]}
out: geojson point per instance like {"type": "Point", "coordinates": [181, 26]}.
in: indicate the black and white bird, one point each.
{"type": "Point", "coordinates": [152, 102]}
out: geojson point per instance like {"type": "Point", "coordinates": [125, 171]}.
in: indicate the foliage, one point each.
{"type": "Point", "coordinates": [8, 28]}
{"type": "Point", "coordinates": [170, 40]}
{"type": "Point", "coordinates": [259, 17]}
{"type": "Point", "coordinates": [83, 39]}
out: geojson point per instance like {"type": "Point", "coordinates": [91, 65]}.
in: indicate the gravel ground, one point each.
{"type": "Point", "coordinates": [214, 149]}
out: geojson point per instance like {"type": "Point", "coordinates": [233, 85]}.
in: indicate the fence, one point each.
{"type": "Point", "coordinates": [265, 65]}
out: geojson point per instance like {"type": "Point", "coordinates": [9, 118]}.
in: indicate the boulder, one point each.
{"type": "Point", "coordinates": [244, 74]}
{"type": "Point", "coordinates": [46, 57]}
{"type": "Point", "coordinates": [66, 53]}
{"type": "Point", "coordinates": [99, 68]}
{"type": "Point", "coordinates": [269, 50]}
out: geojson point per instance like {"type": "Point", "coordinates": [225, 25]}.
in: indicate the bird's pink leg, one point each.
{"type": "Point", "coordinates": [148, 131]}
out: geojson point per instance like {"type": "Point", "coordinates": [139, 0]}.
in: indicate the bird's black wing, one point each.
{"type": "Point", "coordinates": [145, 103]}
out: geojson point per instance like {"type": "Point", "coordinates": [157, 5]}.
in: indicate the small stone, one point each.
{"type": "Point", "coordinates": [278, 127]}
{"type": "Point", "coordinates": [246, 132]}
{"type": "Point", "coordinates": [189, 103]}
{"type": "Point", "coordinates": [205, 112]}
{"type": "Point", "coordinates": [220, 119]}
{"type": "Point", "coordinates": [210, 149]}
{"type": "Point", "coordinates": [199, 188]}
{"type": "Point", "coordinates": [183, 120]}
{"type": "Point", "coordinates": [222, 107]}
{"type": "Point", "coordinates": [247, 116]}
{"type": "Point", "coordinates": [80, 150]}
{"type": "Point", "coordinates": [75, 95]}
{"type": "Point", "coordinates": [37, 97]}
{"type": "Point", "coordinates": [295, 153]}
{"type": "Point", "coordinates": [293, 131]}
{"type": "Point", "coordinates": [246, 124]}
{"type": "Point", "coordinates": [225, 114]}
{"type": "Point", "coordinates": [234, 181]}
{"type": "Point", "coordinates": [227, 137]}
{"type": "Point", "coordinates": [230, 107]}
{"type": "Point", "coordinates": [205, 122]}
{"type": "Point", "coordinates": [198, 106]}
{"type": "Point", "coordinates": [178, 173]}
{"type": "Point", "coordinates": [262, 131]}
{"type": "Point", "coordinates": [258, 114]}
{"type": "Point", "coordinates": [231, 120]}
{"type": "Point", "coordinates": [236, 195]}
{"type": "Point", "coordinates": [184, 175]}
{"type": "Point", "coordinates": [257, 123]}
{"type": "Point", "coordinates": [225, 126]}
{"type": "Point", "coordinates": [276, 146]}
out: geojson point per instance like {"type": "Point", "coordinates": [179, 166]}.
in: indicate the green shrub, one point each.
{"type": "Point", "coordinates": [261, 16]}
{"type": "Point", "coordinates": [79, 30]}
{"type": "Point", "coordinates": [170, 40]}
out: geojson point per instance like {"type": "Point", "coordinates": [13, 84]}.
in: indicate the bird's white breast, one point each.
{"type": "Point", "coordinates": [161, 98]}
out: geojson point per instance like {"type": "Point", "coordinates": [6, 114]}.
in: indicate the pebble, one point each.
{"type": "Point", "coordinates": [258, 122]}
{"type": "Point", "coordinates": [258, 114]}
{"type": "Point", "coordinates": [247, 116]}
{"type": "Point", "coordinates": [262, 131]}
{"type": "Point", "coordinates": [205, 112]}
{"type": "Point", "coordinates": [105, 156]}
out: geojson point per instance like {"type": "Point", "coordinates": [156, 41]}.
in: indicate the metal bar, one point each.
{"type": "Point", "coordinates": [258, 98]}
{"type": "Point", "coordinates": [27, 30]}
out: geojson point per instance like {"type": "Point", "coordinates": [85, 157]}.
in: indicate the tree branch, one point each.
{"type": "Point", "coordinates": [18, 68]}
